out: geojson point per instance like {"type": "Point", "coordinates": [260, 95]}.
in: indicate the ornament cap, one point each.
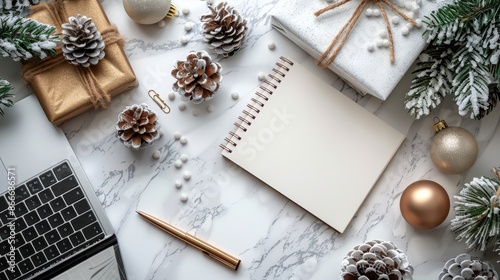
{"type": "Point", "coordinates": [171, 12]}
{"type": "Point", "coordinates": [439, 125]}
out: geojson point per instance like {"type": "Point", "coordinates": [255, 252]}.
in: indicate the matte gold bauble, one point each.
{"type": "Point", "coordinates": [453, 149]}
{"type": "Point", "coordinates": [424, 204]}
{"type": "Point", "coordinates": [148, 11]}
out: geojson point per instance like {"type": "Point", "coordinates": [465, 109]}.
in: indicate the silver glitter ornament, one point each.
{"type": "Point", "coordinates": [453, 149]}
{"type": "Point", "coordinates": [149, 11]}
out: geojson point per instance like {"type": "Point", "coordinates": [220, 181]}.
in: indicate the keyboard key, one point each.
{"type": "Point", "coordinates": [34, 186]}
{"type": "Point", "coordinates": [64, 245]}
{"type": "Point", "coordinates": [51, 252]}
{"type": "Point", "coordinates": [77, 238]}
{"type": "Point", "coordinates": [48, 178]}
{"type": "Point", "coordinates": [27, 250]}
{"type": "Point", "coordinates": [64, 185]}
{"type": "Point", "coordinates": [25, 266]}
{"type": "Point", "coordinates": [46, 196]}
{"type": "Point", "coordinates": [38, 259]}
{"type": "Point", "coordinates": [52, 236]}
{"type": "Point", "coordinates": [3, 203]}
{"type": "Point", "coordinates": [57, 204]}
{"type": "Point", "coordinates": [20, 225]}
{"type": "Point", "coordinates": [20, 209]}
{"type": "Point", "coordinates": [4, 232]}
{"type": "Point", "coordinates": [5, 217]}
{"type": "Point", "coordinates": [68, 213]}
{"type": "Point", "coordinates": [55, 220]}
{"type": "Point", "coordinates": [13, 274]}
{"type": "Point", "coordinates": [3, 263]}
{"type": "Point", "coordinates": [82, 206]}
{"type": "Point", "coordinates": [21, 193]}
{"type": "Point", "coordinates": [4, 248]}
{"type": "Point", "coordinates": [65, 230]}
{"type": "Point", "coordinates": [29, 234]}
{"type": "Point", "coordinates": [62, 171]}
{"type": "Point", "coordinates": [83, 220]}
{"type": "Point", "coordinates": [42, 227]}
{"type": "Point", "coordinates": [39, 243]}
{"type": "Point", "coordinates": [32, 202]}
{"type": "Point", "coordinates": [31, 218]}
{"type": "Point", "coordinates": [44, 211]}
{"type": "Point", "coordinates": [73, 196]}
{"type": "Point", "coordinates": [19, 240]}
{"type": "Point", "coordinates": [92, 230]}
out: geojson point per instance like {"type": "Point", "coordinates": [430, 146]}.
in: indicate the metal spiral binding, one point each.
{"type": "Point", "coordinates": [256, 103]}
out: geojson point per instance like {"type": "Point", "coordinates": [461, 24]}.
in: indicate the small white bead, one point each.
{"type": "Point", "coordinates": [156, 154]}
{"type": "Point", "coordinates": [195, 112]}
{"type": "Point", "coordinates": [184, 197]}
{"type": "Point", "coordinates": [380, 43]}
{"type": "Point", "coordinates": [408, 6]}
{"type": "Point", "coordinates": [235, 95]}
{"type": "Point", "coordinates": [188, 26]}
{"type": "Point", "coordinates": [186, 175]}
{"type": "Point", "coordinates": [395, 20]}
{"type": "Point", "coordinates": [161, 23]}
{"type": "Point", "coordinates": [415, 7]}
{"type": "Point", "coordinates": [171, 96]}
{"type": "Point", "coordinates": [185, 11]}
{"type": "Point", "coordinates": [184, 39]}
{"type": "Point", "coordinates": [410, 14]}
{"type": "Point", "coordinates": [419, 23]}
{"type": "Point", "coordinates": [177, 135]}
{"type": "Point", "coordinates": [183, 140]}
{"type": "Point", "coordinates": [178, 184]}
{"type": "Point", "coordinates": [261, 76]}
{"type": "Point", "coordinates": [178, 163]}
{"type": "Point", "coordinates": [271, 45]}
{"type": "Point", "coordinates": [405, 31]}
{"type": "Point", "coordinates": [409, 26]}
{"type": "Point", "coordinates": [184, 157]}
{"type": "Point", "coordinates": [376, 12]}
{"type": "Point", "coordinates": [370, 47]}
{"type": "Point", "coordinates": [383, 34]}
{"type": "Point", "coordinates": [182, 106]}
{"type": "Point", "coordinates": [385, 43]}
{"type": "Point", "coordinates": [210, 108]}
{"type": "Point", "coordinates": [369, 12]}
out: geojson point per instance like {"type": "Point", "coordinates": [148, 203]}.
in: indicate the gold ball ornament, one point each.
{"type": "Point", "coordinates": [424, 204]}
{"type": "Point", "coordinates": [453, 149]}
{"type": "Point", "coordinates": [149, 11]}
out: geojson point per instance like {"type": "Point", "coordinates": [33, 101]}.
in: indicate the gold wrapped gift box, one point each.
{"type": "Point", "coordinates": [63, 89]}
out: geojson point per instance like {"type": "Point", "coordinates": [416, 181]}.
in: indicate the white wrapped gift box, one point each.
{"type": "Point", "coordinates": [367, 71]}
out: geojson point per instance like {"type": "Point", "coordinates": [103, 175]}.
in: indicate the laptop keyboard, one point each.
{"type": "Point", "coordinates": [53, 220]}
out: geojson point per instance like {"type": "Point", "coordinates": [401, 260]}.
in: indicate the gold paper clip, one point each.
{"type": "Point", "coordinates": [157, 99]}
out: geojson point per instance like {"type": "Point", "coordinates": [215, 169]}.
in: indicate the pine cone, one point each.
{"type": "Point", "coordinates": [376, 260]}
{"type": "Point", "coordinates": [137, 126]}
{"type": "Point", "coordinates": [198, 77]}
{"type": "Point", "coordinates": [224, 29]}
{"type": "Point", "coordinates": [82, 43]}
{"type": "Point", "coordinates": [465, 267]}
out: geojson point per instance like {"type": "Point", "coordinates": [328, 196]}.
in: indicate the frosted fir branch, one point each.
{"type": "Point", "coordinates": [23, 38]}
{"type": "Point", "coordinates": [16, 6]}
{"type": "Point", "coordinates": [5, 95]}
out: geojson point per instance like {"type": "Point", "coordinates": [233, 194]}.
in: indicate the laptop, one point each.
{"type": "Point", "coordinates": [52, 225]}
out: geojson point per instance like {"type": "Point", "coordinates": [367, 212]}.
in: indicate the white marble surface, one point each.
{"type": "Point", "coordinates": [274, 238]}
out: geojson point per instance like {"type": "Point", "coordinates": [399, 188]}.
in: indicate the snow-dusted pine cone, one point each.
{"type": "Point", "coordinates": [82, 43]}
{"type": "Point", "coordinates": [224, 29]}
{"type": "Point", "coordinates": [465, 267]}
{"type": "Point", "coordinates": [376, 260]}
{"type": "Point", "coordinates": [137, 126]}
{"type": "Point", "coordinates": [198, 77]}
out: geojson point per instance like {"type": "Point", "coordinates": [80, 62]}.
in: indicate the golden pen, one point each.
{"type": "Point", "coordinates": [192, 240]}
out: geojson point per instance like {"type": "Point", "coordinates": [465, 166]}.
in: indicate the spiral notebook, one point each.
{"type": "Point", "coordinates": [311, 143]}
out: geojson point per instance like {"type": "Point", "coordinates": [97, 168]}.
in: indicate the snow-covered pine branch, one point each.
{"type": "Point", "coordinates": [5, 96]}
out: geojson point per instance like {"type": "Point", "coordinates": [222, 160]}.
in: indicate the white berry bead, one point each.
{"type": "Point", "coordinates": [156, 154]}
{"type": "Point", "coordinates": [405, 31]}
{"type": "Point", "coordinates": [380, 43]}
{"type": "Point", "coordinates": [235, 95]}
{"type": "Point", "coordinates": [184, 157]}
{"type": "Point", "coordinates": [210, 108]}
{"type": "Point", "coordinates": [184, 197]}
{"type": "Point", "coordinates": [376, 12]}
{"type": "Point", "coordinates": [188, 26]}
{"type": "Point", "coordinates": [177, 135]}
{"type": "Point", "coordinates": [178, 163]}
{"type": "Point", "coordinates": [185, 11]}
{"type": "Point", "coordinates": [410, 14]}
{"type": "Point", "coordinates": [370, 47]}
{"type": "Point", "coordinates": [182, 106]}
{"type": "Point", "coordinates": [261, 76]}
{"type": "Point", "coordinates": [186, 175]}
{"type": "Point", "coordinates": [369, 12]}
{"type": "Point", "coordinates": [271, 45]}
{"type": "Point", "coordinates": [395, 20]}
{"type": "Point", "coordinates": [195, 112]}
{"type": "Point", "coordinates": [408, 6]}
{"type": "Point", "coordinates": [409, 26]}
{"type": "Point", "coordinates": [383, 34]}
{"type": "Point", "coordinates": [183, 140]}
{"type": "Point", "coordinates": [385, 43]}
{"type": "Point", "coordinates": [178, 184]}
{"type": "Point", "coordinates": [184, 39]}
{"type": "Point", "coordinates": [171, 96]}
{"type": "Point", "coordinates": [419, 23]}
{"type": "Point", "coordinates": [161, 23]}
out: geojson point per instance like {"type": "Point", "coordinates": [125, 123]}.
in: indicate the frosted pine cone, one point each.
{"type": "Point", "coordinates": [376, 260]}
{"type": "Point", "coordinates": [464, 267]}
{"type": "Point", "coordinates": [82, 43]}
{"type": "Point", "coordinates": [224, 29]}
{"type": "Point", "coordinates": [137, 126]}
{"type": "Point", "coordinates": [198, 77]}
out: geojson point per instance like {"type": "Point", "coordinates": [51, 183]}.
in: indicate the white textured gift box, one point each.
{"type": "Point", "coordinates": [369, 72]}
